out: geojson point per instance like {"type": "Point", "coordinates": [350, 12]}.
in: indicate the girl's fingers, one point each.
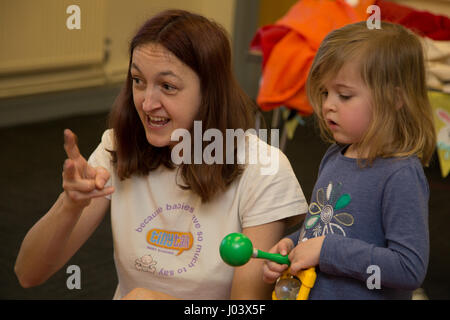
{"type": "Point", "coordinates": [284, 248]}
{"type": "Point", "coordinates": [273, 266]}
{"type": "Point", "coordinates": [296, 267]}
{"type": "Point", "coordinates": [274, 249]}
{"type": "Point", "coordinates": [270, 276]}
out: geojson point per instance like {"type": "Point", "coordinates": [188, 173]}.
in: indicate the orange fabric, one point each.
{"type": "Point", "coordinates": [286, 66]}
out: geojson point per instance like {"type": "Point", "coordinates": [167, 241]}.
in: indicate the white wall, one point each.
{"type": "Point", "coordinates": [39, 54]}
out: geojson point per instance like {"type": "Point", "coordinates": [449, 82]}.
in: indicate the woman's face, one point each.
{"type": "Point", "coordinates": [166, 93]}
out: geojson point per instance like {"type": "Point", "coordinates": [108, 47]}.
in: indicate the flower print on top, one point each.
{"type": "Point", "coordinates": [323, 218]}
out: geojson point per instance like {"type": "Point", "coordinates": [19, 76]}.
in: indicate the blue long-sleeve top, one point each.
{"type": "Point", "coordinates": [375, 223]}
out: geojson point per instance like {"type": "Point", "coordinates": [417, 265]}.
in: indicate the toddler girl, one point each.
{"type": "Point", "coordinates": [367, 226]}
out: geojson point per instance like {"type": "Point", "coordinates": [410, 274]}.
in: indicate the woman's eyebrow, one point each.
{"type": "Point", "coordinates": [168, 73]}
{"type": "Point", "coordinates": [133, 65]}
{"type": "Point", "coordinates": [162, 73]}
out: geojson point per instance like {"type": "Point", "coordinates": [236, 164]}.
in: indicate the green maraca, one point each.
{"type": "Point", "coordinates": [236, 249]}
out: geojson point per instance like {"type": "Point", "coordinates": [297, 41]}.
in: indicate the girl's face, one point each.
{"type": "Point", "coordinates": [346, 107]}
{"type": "Point", "coordinates": [166, 93]}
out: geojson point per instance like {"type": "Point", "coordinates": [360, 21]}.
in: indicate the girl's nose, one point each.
{"type": "Point", "coordinates": [328, 104]}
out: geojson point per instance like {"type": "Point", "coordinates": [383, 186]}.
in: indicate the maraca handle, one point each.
{"type": "Point", "coordinates": [275, 257]}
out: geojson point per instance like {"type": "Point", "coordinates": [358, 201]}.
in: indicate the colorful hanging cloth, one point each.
{"type": "Point", "coordinates": [289, 46]}
{"type": "Point", "coordinates": [424, 23]}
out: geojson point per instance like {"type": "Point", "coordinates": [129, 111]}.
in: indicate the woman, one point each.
{"type": "Point", "coordinates": [168, 219]}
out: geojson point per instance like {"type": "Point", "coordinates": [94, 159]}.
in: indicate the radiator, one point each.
{"type": "Point", "coordinates": [34, 36]}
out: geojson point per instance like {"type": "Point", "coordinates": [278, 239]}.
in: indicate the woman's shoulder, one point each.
{"type": "Point", "coordinates": [262, 156]}
{"type": "Point", "coordinates": [101, 156]}
{"type": "Point", "coordinates": [108, 139]}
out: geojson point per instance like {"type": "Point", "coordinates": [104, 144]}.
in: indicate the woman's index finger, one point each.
{"type": "Point", "coordinates": [70, 145]}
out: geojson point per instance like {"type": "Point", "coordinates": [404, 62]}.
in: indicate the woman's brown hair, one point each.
{"type": "Point", "coordinates": [391, 63]}
{"type": "Point", "coordinates": [202, 45]}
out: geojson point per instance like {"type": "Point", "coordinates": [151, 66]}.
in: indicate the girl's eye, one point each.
{"type": "Point", "coordinates": [324, 93]}
{"type": "Point", "coordinates": [344, 97]}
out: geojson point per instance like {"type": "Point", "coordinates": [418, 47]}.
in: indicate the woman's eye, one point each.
{"type": "Point", "coordinates": [136, 80]}
{"type": "Point", "coordinates": [168, 88]}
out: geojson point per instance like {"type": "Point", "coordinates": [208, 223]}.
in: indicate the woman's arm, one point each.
{"type": "Point", "coordinates": [147, 294]}
{"type": "Point", "coordinates": [248, 281]}
{"type": "Point", "coordinates": [55, 238]}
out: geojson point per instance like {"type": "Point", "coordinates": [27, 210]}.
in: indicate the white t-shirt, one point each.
{"type": "Point", "coordinates": [166, 239]}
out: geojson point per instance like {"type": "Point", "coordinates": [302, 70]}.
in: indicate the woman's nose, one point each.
{"type": "Point", "coordinates": [151, 100]}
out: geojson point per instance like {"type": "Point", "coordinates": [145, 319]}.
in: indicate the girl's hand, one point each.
{"type": "Point", "coordinates": [81, 182]}
{"type": "Point", "coordinates": [272, 270]}
{"type": "Point", "coordinates": [306, 254]}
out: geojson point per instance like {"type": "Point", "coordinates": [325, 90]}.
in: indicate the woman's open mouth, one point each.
{"type": "Point", "coordinates": [157, 122]}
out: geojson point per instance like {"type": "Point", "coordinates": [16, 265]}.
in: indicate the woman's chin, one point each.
{"type": "Point", "coordinates": [157, 142]}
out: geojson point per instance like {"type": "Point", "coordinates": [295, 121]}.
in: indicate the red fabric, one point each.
{"type": "Point", "coordinates": [266, 38]}
{"type": "Point", "coordinates": [426, 24]}
{"type": "Point", "coordinates": [289, 47]}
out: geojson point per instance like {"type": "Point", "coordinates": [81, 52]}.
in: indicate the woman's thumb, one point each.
{"type": "Point", "coordinates": [101, 177]}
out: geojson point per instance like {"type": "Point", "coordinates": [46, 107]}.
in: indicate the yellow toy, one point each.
{"type": "Point", "coordinates": [289, 287]}
{"type": "Point", "coordinates": [236, 249]}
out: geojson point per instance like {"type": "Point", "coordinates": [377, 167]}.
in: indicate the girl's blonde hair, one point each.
{"type": "Point", "coordinates": [392, 66]}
